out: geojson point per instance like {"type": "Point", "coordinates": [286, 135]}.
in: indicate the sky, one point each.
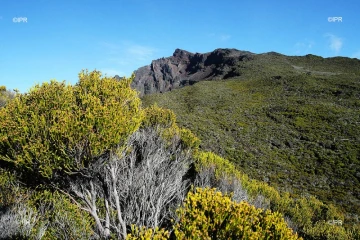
{"type": "Point", "coordinates": [41, 40]}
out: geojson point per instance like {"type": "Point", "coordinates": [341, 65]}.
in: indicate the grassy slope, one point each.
{"type": "Point", "coordinates": [300, 132]}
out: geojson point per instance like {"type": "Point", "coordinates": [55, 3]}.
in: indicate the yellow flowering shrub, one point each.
{"type": "Point", "coordinates": [207, 214]}
{"type": "Point", "coordinates": [147, 233]}
{"type": "Point", "coordinates": [156, 116]}
{"type": "Point", "coordinates": [304, 212]}
{"type": "Point", "coordinates": [62, 127]}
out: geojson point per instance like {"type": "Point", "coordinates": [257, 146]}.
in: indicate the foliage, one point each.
{"type": "Point", "coordinates": [17, 218]}
{"type": "Point", "coordinates": [189, 139]}
{"type": "Point", "coordinates": [323, 230]}
{"type": "Point", "coordinates": [305, 212]}
{"type": "Point", "coordinates": [292, 122]}
{"type": "Point", "coordinates": [94, 163]}
{"type": "Point", "coordinates": [10, 191]}
{"type": "Point", "coordinates": [147, 233]}
{"type": "Point", "coordinates": [155, 116]}
{"type": "Point", "coordinates": [165, 121]}
{"type": "Point", "coordinates": [207, 214]}
{"type": "Point", "coordinates": [142, 186]}
{"type": "Point", "coordinates": [60, 127]}
{"type": "Point", "coordinates": [63, 218]}
{"type": "Point", "coordinates": [209, 160]}
{"type": "Point", "coordinates": [6, 95]}
{"type": "Point", "coordinates": [35, 214]}
{"type": "Point", "coordinates": [19, 222]}
{"type": "Point", "coordinates": [94, 144]}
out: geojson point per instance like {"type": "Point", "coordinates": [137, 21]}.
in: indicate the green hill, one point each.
{"type": "Point", "coordinates": [293, 122]}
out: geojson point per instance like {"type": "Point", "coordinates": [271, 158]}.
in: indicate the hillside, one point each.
{"type": "Point", "coordinates": [89, 162]}
{"type": "Point", "coordinates": [293, 122]}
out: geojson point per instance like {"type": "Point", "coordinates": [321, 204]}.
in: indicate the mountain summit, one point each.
{"type": "Point", "coordinates": [185, 68]}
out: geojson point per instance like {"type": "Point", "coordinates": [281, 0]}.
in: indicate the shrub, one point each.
{"type": "Point", "coordinates": [63, 218]}
{"type": "Point", "coordinates": [155, 116]}
{"type": "Point", "coordinates": [302, 214]}
{"type": "Point", "coordinates": [20, 222]}
{"type": "Point", "coordinates": [207, 214]}
{"type": "Point", "coordinates": [58, 127]}
{"type": "Point", "coordinates": [10, 191]}
{"type": "Point", "coordinates": [321, 230]}
{"type": "Point", "coordinates": [147, 233]}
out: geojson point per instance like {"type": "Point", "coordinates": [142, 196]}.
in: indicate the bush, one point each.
{"type": "Point", "coordinates": [64, 220]}
{"type": "Point", "coordinates": [10, 190]}
{"type": "Point", "coordinates": [147, 233]}
{"type": "Point", "coordinates": [155, 116]}
{"type": "Point", "coordinates": [302, 214]}
{"type": "Point", "coordinates": [20, 222]}
{"type": "Point", "coordinates": [207, 214]}
{"type": "Point", "coordinates": [322, 230]}
{"type": "Point", "coordinates": [58, 127]}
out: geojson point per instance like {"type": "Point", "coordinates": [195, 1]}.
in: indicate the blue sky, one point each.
{"type": "Point", "coordinates": [60, 37]}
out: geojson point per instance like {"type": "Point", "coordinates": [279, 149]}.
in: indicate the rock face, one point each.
{"type": "Point", "coordinates": [185, 68]}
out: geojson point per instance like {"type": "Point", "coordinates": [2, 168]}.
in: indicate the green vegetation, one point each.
{"type": "Point", "coordinates": [88, 162]}
{"type": "Point", "coordinates": [43, 130]}
{"type": "Point", "coordinates": [308, 216]}
{"type": "Point", "coordinates": [6, 95]}
{"type": "Point", "coordinates": [292, 122]}
{"type": "Point", "coordinates": [208, 214]}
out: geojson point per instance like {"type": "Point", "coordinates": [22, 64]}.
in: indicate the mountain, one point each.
{"type": "Point", "coordinates": [185, 68]}
{"type": "Point", "coordinates": [291, 121]}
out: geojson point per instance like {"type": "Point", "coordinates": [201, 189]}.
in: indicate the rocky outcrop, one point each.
{"type": "Point", "coordinates": [185, 68]}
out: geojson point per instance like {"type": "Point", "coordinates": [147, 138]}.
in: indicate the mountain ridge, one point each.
{"type": "Point", "coordinates": [290, 121]}
{"type": "Point", "coordinates": [185, 68]}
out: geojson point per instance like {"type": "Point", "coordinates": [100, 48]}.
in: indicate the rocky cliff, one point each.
{"type": "Point", "coordinates": [185, 68]}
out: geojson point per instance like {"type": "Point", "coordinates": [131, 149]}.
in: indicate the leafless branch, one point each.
{"type": "Point", "coordinates": [141, 187]}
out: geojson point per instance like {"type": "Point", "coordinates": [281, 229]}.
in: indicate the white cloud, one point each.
{"type": "Point", "coordinates": [335, 43]}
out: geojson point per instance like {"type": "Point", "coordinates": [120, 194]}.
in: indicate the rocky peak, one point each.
{"type": "Point", "coordinates": [179, 53]}
{"type": "Point", "coordinates": [186, 68]}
